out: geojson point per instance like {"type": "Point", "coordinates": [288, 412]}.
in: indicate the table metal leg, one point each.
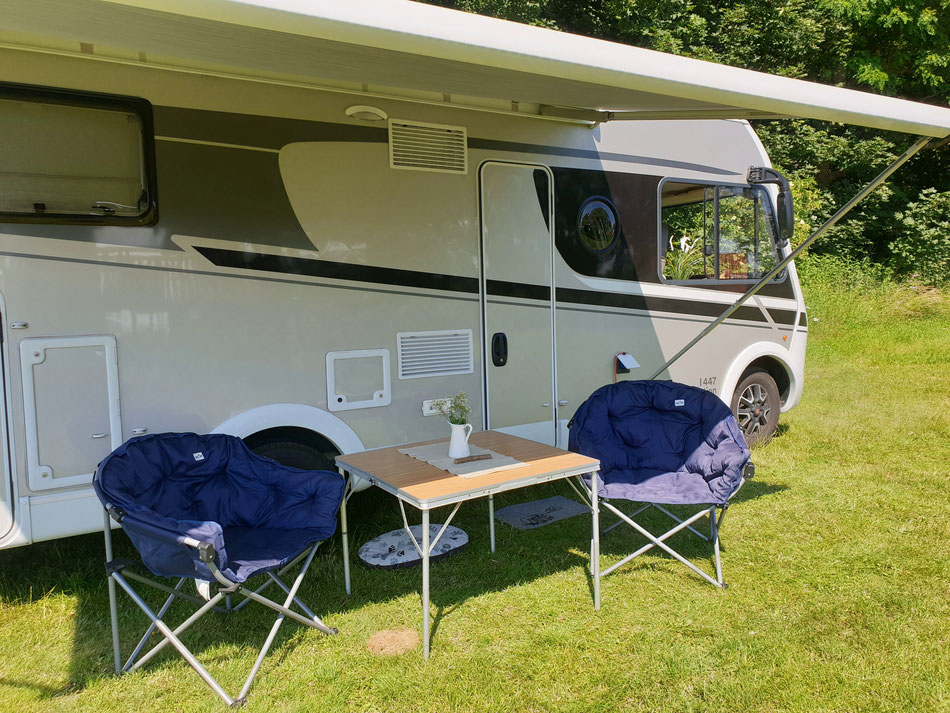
{"type": "Point", "coordinates": [343, 532]}
{"type": "Point", "coordinates": [595, 540]}
{"type": "Point", "coordinates": [491, 521]}
{"type": "Point", "coordinates": [425, 583]}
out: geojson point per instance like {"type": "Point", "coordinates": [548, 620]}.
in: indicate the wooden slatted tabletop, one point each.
{"type": "Point", "coordinates": [424, 485]}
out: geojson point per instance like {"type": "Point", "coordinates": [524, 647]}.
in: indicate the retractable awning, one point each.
{"type": "Point", "coordinates": [408, 46]}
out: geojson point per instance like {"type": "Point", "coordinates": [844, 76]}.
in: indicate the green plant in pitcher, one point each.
{"type": "Point", "coordinates": [455, 409]}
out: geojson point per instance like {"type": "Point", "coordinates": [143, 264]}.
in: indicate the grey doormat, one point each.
{"type": "Point", "coordinates": [537, 513]}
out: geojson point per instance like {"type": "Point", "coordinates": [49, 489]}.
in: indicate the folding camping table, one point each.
{"type": "Point", "coordinates": [426, 487]}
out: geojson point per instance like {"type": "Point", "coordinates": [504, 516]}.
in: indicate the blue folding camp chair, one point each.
{"type": "Point", "coordinates": [662, 443]}
{"type": "Point", "coordinates": [206, 508]}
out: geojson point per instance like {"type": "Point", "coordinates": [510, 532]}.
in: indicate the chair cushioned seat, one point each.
{"type": "Point", "coordinates": [661, 442]}
{"type": "Point", "coordinates": [256, 513]}
{"type": "Point", "coordinates": [670, 488]}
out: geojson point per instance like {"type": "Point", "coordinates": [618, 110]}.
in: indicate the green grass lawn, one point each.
{"type": "Point", "coordinates": [838, 557]}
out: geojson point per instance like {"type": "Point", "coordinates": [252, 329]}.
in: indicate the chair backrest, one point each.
{"type": "Point", "coordinates": [660, 426]}
{"type": "Point", "coordinates": [199, 486]}
{"type": "Point", "coordinates": [186, 476]}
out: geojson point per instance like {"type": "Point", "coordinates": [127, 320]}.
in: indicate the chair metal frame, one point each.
{"type": "Point", "coordinates": [715, 525]}
{"type": "Point", "coordinates": [118, 574]}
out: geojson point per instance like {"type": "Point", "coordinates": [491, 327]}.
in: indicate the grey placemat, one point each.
{"type": "Point", "coordinates": [437, 454]}
{"type": "Point", "coordinates": [537, 513]}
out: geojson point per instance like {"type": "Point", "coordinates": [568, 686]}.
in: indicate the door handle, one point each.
{"type": "Point", "coordinates": [562, 402]}
{"type": "Point", "coordinates": [499, 349]}
{"type": "Point", "coordinates": [96, 436]}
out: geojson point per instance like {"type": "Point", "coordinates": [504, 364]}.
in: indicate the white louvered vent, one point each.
{"type": "Point", "coordinates": [427, 147]}
{"type": "Point", "coordinates": [434, 353]}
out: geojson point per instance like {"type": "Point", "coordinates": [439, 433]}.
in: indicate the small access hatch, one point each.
{"type": "Point", "coordinates": [71, 406]}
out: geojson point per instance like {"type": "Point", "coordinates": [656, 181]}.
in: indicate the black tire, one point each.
{"type": "Point", "coordinates": [756, 405]}
{"type": "Point", "coordinates": [295, 455]}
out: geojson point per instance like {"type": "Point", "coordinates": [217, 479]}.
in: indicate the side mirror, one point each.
{"type": "Point", "coordinates": [784, 206]}
{"type": "Point", "coordinates": [786, 215]}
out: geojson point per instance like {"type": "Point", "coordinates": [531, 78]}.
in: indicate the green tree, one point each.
{"type": "Point", "coordinates": [923, 248]}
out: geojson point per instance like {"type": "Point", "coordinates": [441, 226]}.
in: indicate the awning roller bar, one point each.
{"type": "Point", "coordinates": [598, 116]}
{"type": "Point", "coordinates": [413, 49]}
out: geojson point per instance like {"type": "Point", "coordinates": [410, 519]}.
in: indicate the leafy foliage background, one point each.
{"type": "Point", "coordinates": [882, 46]}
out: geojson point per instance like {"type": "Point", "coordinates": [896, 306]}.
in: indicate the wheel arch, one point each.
{"type": "Point", "coordinates": [298, 422]}
{"type": "Point", "coordinates": [769, 358]}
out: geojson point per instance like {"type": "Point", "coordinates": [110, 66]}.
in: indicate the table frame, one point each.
{"type": "Point", "coordinates": [588, 494]}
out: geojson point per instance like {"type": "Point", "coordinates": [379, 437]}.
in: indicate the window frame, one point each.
{"type": "Point", "coordinates": [781, 277]}
{"type": "Point", "coordinates": [107, 102]}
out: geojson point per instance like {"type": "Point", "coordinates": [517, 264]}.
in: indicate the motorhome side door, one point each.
{"type": "Point", "coordinates": [517, 299]}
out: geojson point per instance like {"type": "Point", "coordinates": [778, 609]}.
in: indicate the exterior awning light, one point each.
{"type": "Point", "coordinates": [366, 113]}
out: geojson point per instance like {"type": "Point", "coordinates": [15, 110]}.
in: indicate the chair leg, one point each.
{"type": "Point", "coordinates": [148, 633]}
{"type": "Point", "coordinates": [178, 630]}
{"type": "Point", "coordinates": [274, 578]}
{"type": "Point", "coordinates": [113, 612]}
{"type": "Point", "coordinates": [114, 618]}
{"type": "Point", "coordinates": [655, 541]}
{"type": "Point", "coordinates": [673, 517]}
{"type": "Point", "coordinates": [300, 605]}
{"type": "Point", "coordinates": [714, 526]}
{"type": "Point", "coordinates": [171, 638]}
{"type": "Point", "coordinates": [620, 522]}
{"type": "Point", "coordinates": [291, 595]}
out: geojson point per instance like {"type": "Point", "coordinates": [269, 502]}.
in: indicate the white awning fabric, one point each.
{"type": "Point", "coordinates": [414, 47]}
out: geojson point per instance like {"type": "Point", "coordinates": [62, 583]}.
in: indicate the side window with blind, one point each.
{"type": "Point", "coordinates": [716, 232]}
{"type": "Point", "coordinates": [75, 158]}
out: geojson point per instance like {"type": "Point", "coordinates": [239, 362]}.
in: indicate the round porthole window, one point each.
{"type": "Point", "coordinates": [597, 224]}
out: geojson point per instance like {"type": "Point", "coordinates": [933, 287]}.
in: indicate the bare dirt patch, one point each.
{"type": "Point", "coordinates": [392, 642]}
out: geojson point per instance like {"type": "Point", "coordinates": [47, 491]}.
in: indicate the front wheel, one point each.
{"type": "Point", "coordinates": [755, 405]}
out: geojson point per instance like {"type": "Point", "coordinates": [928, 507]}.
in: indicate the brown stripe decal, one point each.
{"type": "Point", "coordinates": [469, 285]}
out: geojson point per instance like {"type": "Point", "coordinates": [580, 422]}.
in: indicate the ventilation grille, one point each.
{"type": "Point", "coordinates": [435, 353]}
{"type": "Point", "coordinates": [427, 147]}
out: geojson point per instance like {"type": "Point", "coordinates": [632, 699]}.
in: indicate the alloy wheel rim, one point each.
{"type": "Point", "coordinates": [753, 409]}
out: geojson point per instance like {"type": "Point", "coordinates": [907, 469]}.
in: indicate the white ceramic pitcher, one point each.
{"type": "Point", "coordinates": [458, 445]}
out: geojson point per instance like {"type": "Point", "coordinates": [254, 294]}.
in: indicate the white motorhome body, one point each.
{"type": "Point", "coordinates": [289, 253]}
{"type": "Point", "coordinates": [188, 248]}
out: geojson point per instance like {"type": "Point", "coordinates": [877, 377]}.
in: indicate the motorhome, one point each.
{"type": "Point", "coordinates": [211, 223]}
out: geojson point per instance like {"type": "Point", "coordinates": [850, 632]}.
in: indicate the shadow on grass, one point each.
{"type": "Point", "coordinates": [780, 431]}
{"type": "Point", "coordinates": [44, 690]}
{"type": "Point", "coordinates": [754, 489]}
{"type": "Point", "coordinates": [73, 567]}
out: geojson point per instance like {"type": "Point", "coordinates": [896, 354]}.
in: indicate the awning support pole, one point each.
{"type": "Point", "coordinates": [844, 210]}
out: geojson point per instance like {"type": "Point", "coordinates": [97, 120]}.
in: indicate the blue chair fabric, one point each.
{"type": "Point", "coordinates": [258, 514]}
{"type": "Point", "coordinates": [661, 442]}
